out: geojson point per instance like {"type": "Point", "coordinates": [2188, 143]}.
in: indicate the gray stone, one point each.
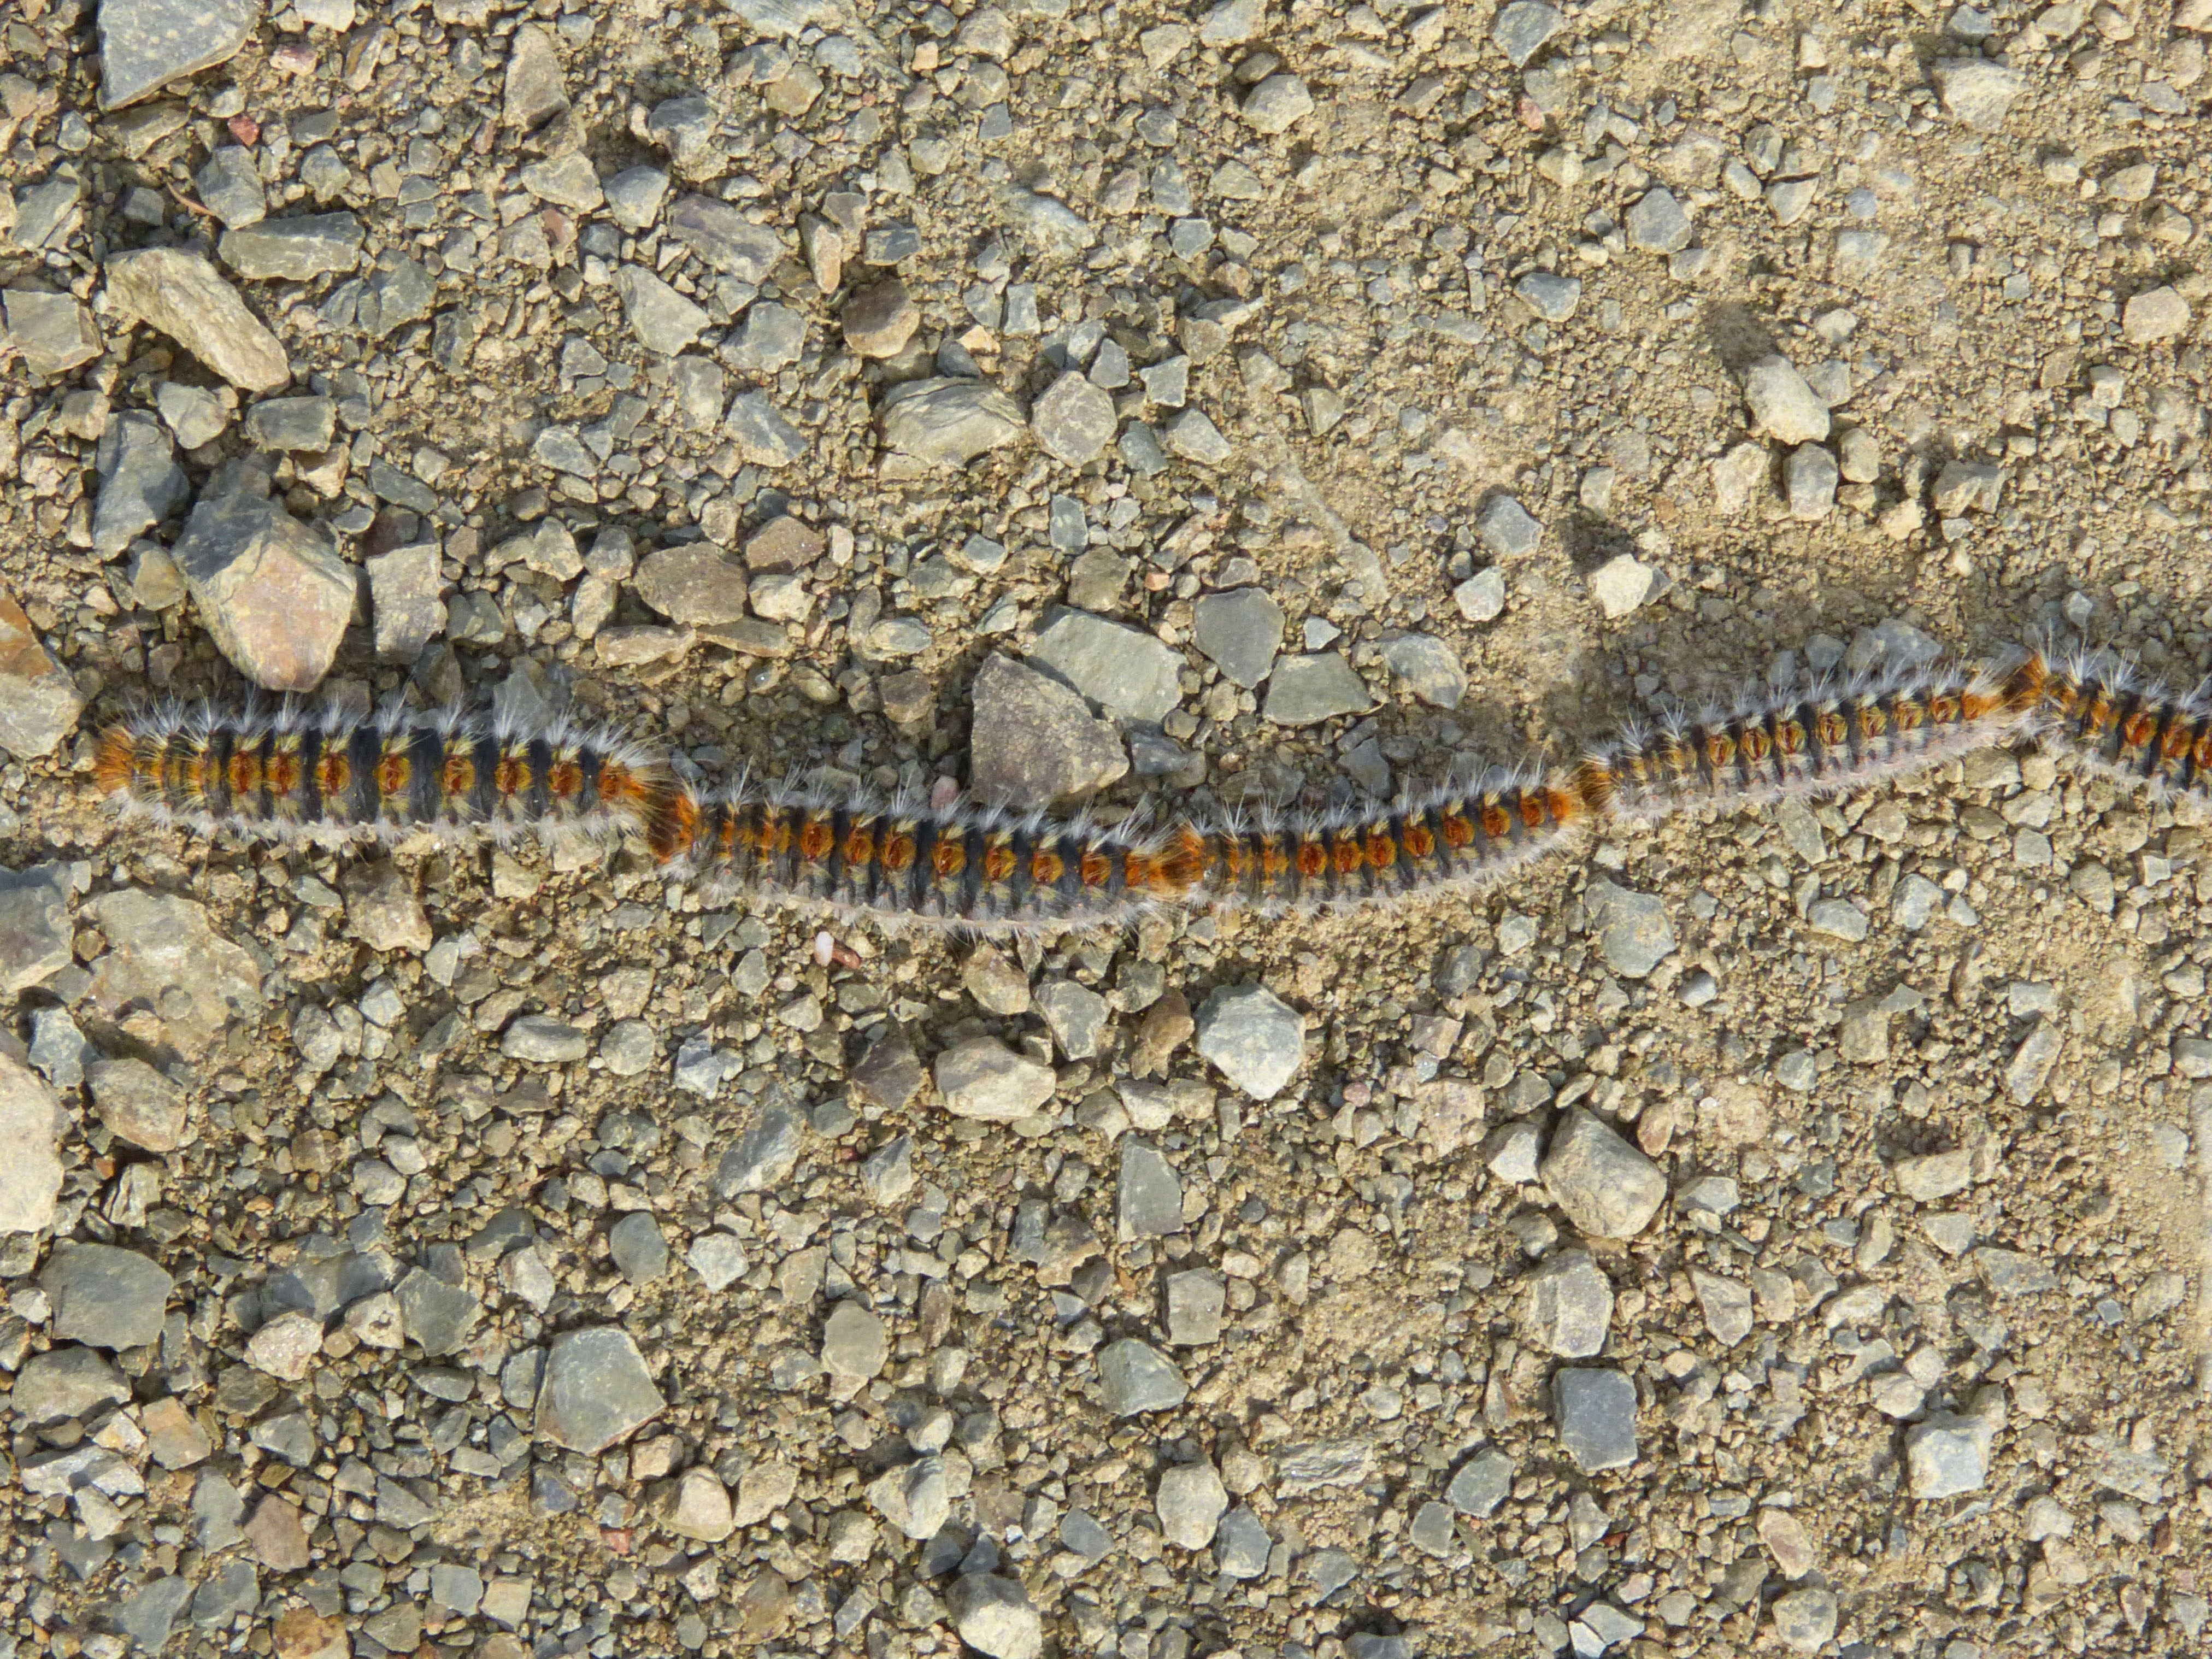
{"type": "Point", "coordinates": [1306, 691]}
{"type": "Point", "coordinates": [1978, 92]}
{"type": "Point", "coordinates": [1520, 29]}
{"type": "Point", "coordinates": [1196, 1298]}
{"type": "Point", "coordinates": [1947, 1455]}
{"type": "Point", "coordinates": [294, 250]}
{"type": "Point", "coordinates": [1966, 486]}
{"type": "Point", "coordinates": [887, 1174]}
{"type": "Point", "coordinates": [1514, 1152]}
{"type": "Point", "coordinates": [879, 320]}
{"type": "Point", "coordinates": [722, 236]}
{"type": "Point", "coordinates": [543, 1040]}
{"type": "Point", "coordinates": [1607, 1187]}
{"type": "Point", "coordinates": [382, 910]}
{"type": "Point", "coordinates": [139, 1106]}
{"type": "Point", "coordinates": [1430, 668]}
{"type": "Point", "coordinates": [193, 413]}
{"type": "Point", "coordinates": [1148, 1199]}
{"type": "Point", "coordinates": [688, 126]}
{"type": "Point", "coordinates": [438, 1316]}
{"type": "Point", "coordinates": [398, 294]}
{"type": "Point", "coordinates": [1277, 103]}
{"type": "Point", "coordinates": [1135, 1377]}
{"type": "Point", "coordinates": [1435, 1530]}
{"type": "Point", "coordinates": [1569, 1305]}
{"type": "Point", "coordinates": [48, 215]}
{"type": "Point", "coordinates": [404, 586]}
{"type": "Point", "coordinates": [1727, 1304]}
{"type": "Point", "coordinates": [1193, 435]}
{"type": "Point", "coordinates": [274, 595]}
{"type": "Point", "coordinates": [1782, 404]}
{"type": "Point", "coordinates": [1596, 1412]}
{"type": "Point", "coordinates": [1254, 1038]}
{"type": "Point", "coordinates": [719, 1260]}
{"type": "Point", "coordinates": [180, 295]}
{"type": "Point", "coordinates": [105, 1296]}
{"type": "Point", "coordinates": [855, 1344]}
{"type": "Point", "coordinates": [65, 1382]}
{"type": "Point", "coordinates": [1241, 630]}
{"type": "Point", "coordinates": [1074, 420]}
{"type": "Point", "coordinates": [596, 1390]}
{"type": "Point", "coordinates": [1190, 1503]}
{"type": "Point", "coordinates": [567, 181]}
{"type": "Point", "coordinates": [1125, 671]}
{"type": "Point", "coordinates": [535, 91]}
{"type": "Point", "coordinates": [1032, 741]}
{"type": "Point", "coordinates": [949, 422]}
{"type": "Point", "coordinates": [1075, 1014]}
{"type": "Point", "coordinates": [1633, 933]}
{"type": "Point", "coordinates": [140, 482]}
{"type": "Point", "coordinates": [764, 1157]}
{"type": "Point", "coordinates": [1507, 529]}
{"type": "Point", "coordinates": [147, 1615]}
{"type": "Point", "coordinates": [235, 1587]}
{"type": "Point", "coordinates": [1241, 1545]}
{"type": "Point", "coordinates": [2014, 1272]}
{"type": "Point", "coordinates": [638, 1248]}
{"type": "Point", "coordinates": [146, 44]}
{"type": "Point", "coordinates": [1057, 230]}
{"type": "Point", "coordinates": [693, 582]}
{"type": "Point", "coordinates": [762, 431]}
{"type": "Point", "coordinates": [1934, 1176]}
{"type": "Point", "coordinates": [983, 1078]}
{"type": "Point", "coordinates": [662, 320]}
{"type": "Point", "coordinates": [2156, 314]}
{"type": "Point", "coordinates": [1809, 478]}
{"type": "Point", "coordinates": [1330, 1570]}
{"type": "Point", "coordinates": [1838, 919]}
{"type": "Point", "coordinates": [1552, 297]}
{"type": "Point", "coordinates": [1484, 1482]}
{"type": "Point", "coordinates": [1658, 224]}
{"type": "Point", "coordinates": [635, 195]}
{"type": "Point", "coordinates": [994, 1616]}
{"type": "Point", "coordinates": [54, 332]}
{"type": "Point", "coordinates": [890, 1074]}
{"type": "Point", "coordinates": [35, 936]}
{"type": "Point", "coordinates": [293, 423]}
{"type": "Point", "coordinates": [1621, 584]}
{"type": "Point", "coordinates": [1805, 1620]}
{"type": "Point", "coordinates": [1232, 22]}
{"type": "Point", "coordinates": [772, 339]}
{"type": "Point", "coordinates": [916, 1499]}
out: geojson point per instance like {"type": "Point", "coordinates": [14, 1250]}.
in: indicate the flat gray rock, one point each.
{"type": "Point", "coordinates": [1782, 404]}
{"type": "Point", "coordinates": [63, 1382]}
{"type": "Point", "coordinates": [146, 44]}
{"type": "Point", "coordinates": [1658, 224]}
{"type": "Point", "coordinates": [1034, 741]}
{"type": "Point", "coordinates": [229, 187]}
{"type": "Point", "coordinates": [162, 955]}
{"type": "Point", "coordinates": [1123, 670]}
{"type": "Point", "coordinates": [995, 1617]}
{"type": "Point", "coordinates": [139, 1106]}
{"type": "Point", "coordinates": [36, 940]}
{"type": "Point", "coordinates": [762, 431]}
{"type": "Point", "coordinates": [1074, 420]}
{"type": "Point", "coordinates": [1607, 1187]}
{"type": "Point", "coordinates": [1596, 1412]}
{"type": "Point", "coordinates": [1242, 1545]}
{"type": "Point", "coordinates": [405, 588]}
{"type": "Point", "coordinates": [273, 592]}
{"type": "Point", "coordinates": [1136, 1377]}
{"type": "Point", "coordinates": [293, 250]}
{"type": "Point", "coordinates": [1430, 668]}
{"type": "Point", "coordinates": [1977, 92]}
{"type": "Point", "coordinates": [147, 1615]}
{"type": "Point", "coordinates": [725, 237]}
{"type": "Point", "coordinates": [1569, 1305]}
{"type": "Point", "coordinates": [1484, 1482]}
{"type": "Point", "coordinates": [949, 422]}
{"type": "Point", "coordinates": [854, 1343]}
{"type": "Point", "coordinates": [1947, 1456]}
{"type": "Point", "coordinates": [1148, 1197]}
{"type": "Point", "coordinates": [1075, 1014]}
{"type": "Point", "coordinates": [182, 295]}
{"type": "Point", "coordinates": [763, 1156]}
{"type": "Point", "coordinates": [1196, 1298]}
{"type": "Point", "coordinates": [984, 1079]}
{"type": "Point", "coordinates": [1241, 630]}
{"type": "Point", "coordinates": [54, 332]}
{"type": "Point", "coordinates": [535, 90]}
{"type": "Point", "coordinates": [105, 1297]}
{"type": "Point", "coordinates": [638, 1246]}
{"type": "Point", "coordinates": [1320, 686]}
{"type": "Point", "coordinates": [1552, 297]}
{"type": "Point", "coordinates": [1254, 1038]}
{"type": "Point", "coordinates": [596, 1390]}
{"type": "Point", "coordinates": [1520, 29]}
{"type": "Point", "coordinates": [662, 320]}
{"type": "Point", "coordinates": [140, 482]}
{"type": "Point", "coordinates": [1190, 1501]}
{"type": "Point", "coordinates": [293, 423]}
{"type": "Point", "coordinates": [439, 1316]}
{"type": "Point", "coordinates": [1634, 935]}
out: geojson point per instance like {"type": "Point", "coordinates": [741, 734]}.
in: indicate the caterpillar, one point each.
{"type": "Point", "coordinates": [332, 772]}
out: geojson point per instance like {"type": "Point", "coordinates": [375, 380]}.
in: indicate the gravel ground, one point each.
{"type": "Point", "coordinates": [1781, 1232]}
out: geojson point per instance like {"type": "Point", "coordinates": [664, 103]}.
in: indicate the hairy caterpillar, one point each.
{"type": "Point", "coordinates": [394, 773]}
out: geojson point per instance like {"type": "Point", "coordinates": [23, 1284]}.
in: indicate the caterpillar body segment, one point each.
{"type": "Point", "coordinates": [2115, 721]}
{"type": "Point", "coordinates": [333, 770]}
{"type": "Point", "coordinates": [1816, 738]}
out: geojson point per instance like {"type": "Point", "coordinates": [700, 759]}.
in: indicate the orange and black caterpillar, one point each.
{"type": "Point", "coordinates": [396, 772]}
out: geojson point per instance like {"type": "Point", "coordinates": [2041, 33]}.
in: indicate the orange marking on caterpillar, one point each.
{"type": "Point", "coordinates": [1830, 726]}
{"type": "Point", "coordinates": [565, 782]}
{"type": "Point", "coordinates": [860, 847]}
{"type": "Point", "coordinates": [283, 772]}
{"type": "Point", "coordinates": [1756, 745]}
{"type": "Point", "coordinates": [949, 857]}
{"type": "Point", "coordinates": [245, 773]}
{"type": "Point", "coordinates": [115, 767]}
{"type": "Point", "coordinates": [1381, 850]}
{"type": "Point", "coordinates": [898, 852]}
{"type": "Point", "coordinates": [1420, 843]}
{"type": "Point", "coordinates": [1565, 806]}
{"type": "Point", "coordinates": [1497, 821]}
{"type": "Point", "coordinates": [998, 862]}
{"type": "Point", "coordinates": [510, 777]}
{"type": "Point", "coordinates": [334, 774]}
{"type": "Point", "coordinates": [1313, 859]}
{"type": "Point", "coordinates": [674, 824]}
{"type": "Point", "coordinates": [1720, 750]}
{"type": "Point", "coordinates": [1045, 867]}
{"type": "Point", "coordinates": [1098, 869]}
{"type": "Point", "coordinates": [1274, 860]}
{"type": "Point", "coordinates": [816, 840]}
{"type": "Point", "coordinates": [1459, 832]}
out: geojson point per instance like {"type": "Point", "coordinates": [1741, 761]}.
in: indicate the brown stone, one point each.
{"type": "Point", "coordinates": [303, 1633]}
{"type": "Point", "coordinates": [39, 700]}
{"type": "Point", "coordinates": [783, 544]}
{"type": "Point", "coordinates": [879, 320]}
{"type": "Point", "coordinates": [278, 1538]}
{"type": "Point", "coordinates": [168, 978]}
{"type": "Point", "coordinates": [271, 590]}
{"type": "Point", "coordinates": [173, 1435]}
{"type": "Point", "coordinates": [139, 1105]}
{"type": "Point", "coordinates": [764, 1609]}
{"type": "Point", "coordinates": [693, 583]}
